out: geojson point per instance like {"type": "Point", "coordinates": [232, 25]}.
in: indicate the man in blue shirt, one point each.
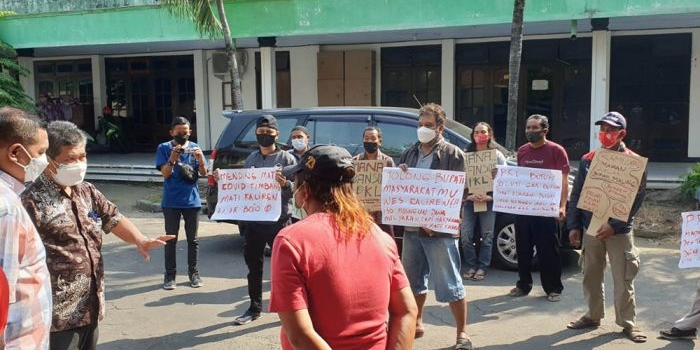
{"type": "Point", "coordinates": [181, 162]}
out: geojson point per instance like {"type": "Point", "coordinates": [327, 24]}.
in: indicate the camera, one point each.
{"type": "Point", "coordinates": [179, 150]}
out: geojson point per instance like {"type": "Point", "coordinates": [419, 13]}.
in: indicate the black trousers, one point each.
{"type": "Point", "coordinates": [541, 233]}
{"type": "Point", "coordinates": [172, 227]}
{"type": "Point", "coordinates": [256, 237]}
{"type": "Point", "coordinates": [81, 338]}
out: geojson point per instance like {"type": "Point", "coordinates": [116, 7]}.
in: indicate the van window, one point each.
{"type": "Point", "coordinates": [248, 139]}
{"type": "Point", "coordinates": [344, 131]}
{"type": "Point", "coordinates": [397, 135]}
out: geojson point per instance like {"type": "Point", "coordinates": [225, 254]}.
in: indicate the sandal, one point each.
{"type": "Point", "coordinates": [479, 275]}
{"type": "Point", "coordinates": [553, 297]}
{"type": "Point", "coordinates": [583, 323]}
{"type": "Point", "coordinates": [635, 334]}
{"type": "Point", "coordinates": [517, 292]}
{"type": "Point", "coordinates": [469, 274]}
{"type": "Point", "coordinates": [420, 331]}
{"type": "Point", "coordinates": [463, 344]}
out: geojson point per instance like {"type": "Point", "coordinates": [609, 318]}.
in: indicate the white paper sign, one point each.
{"type": "Point", "coordinates": [527, 191]}
{"type": "Point", "coordinates": [690, 240]}
{"type": "Point", "coordinates": [422, 198]}
{"type": "Point", "coordinates": [248, 195]}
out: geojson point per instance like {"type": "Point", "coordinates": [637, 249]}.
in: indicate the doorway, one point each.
{"type": "Point", "coordinates": [147, 92]}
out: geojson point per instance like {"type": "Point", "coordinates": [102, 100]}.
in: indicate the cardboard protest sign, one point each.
{"type": "Point", "coordinates": [611, 185]}
{"type": "Point", "coordinates": [422, 198]}
{"type": "Point", "coordinates": [690, 240]}
{"type": "Point", "coordinates": [368, 183]}
{"type": "Point", "coordinates": [479, 179]}
{"type": "Point", "coordinates": [527, 191]}
{"type": "Point", "coordinates": [248, 195]}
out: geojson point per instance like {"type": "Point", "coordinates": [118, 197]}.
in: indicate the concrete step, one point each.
{"type": "Point", "coordinates": [123, 173]}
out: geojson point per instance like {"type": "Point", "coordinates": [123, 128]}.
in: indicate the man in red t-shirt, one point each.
{"type": "Point", "coordinates": [537, 231]}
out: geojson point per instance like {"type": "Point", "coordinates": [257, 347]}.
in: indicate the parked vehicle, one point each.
{"type": "Point", "coordinates": [344, 126]}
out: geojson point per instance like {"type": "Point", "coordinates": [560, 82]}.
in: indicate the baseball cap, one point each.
{"type": "Point", "coordinates": [267, 120]}
{"type": "Point", "coordinates": [613, 118]}
{"type": "Point", "coordinates": [324, 162]}
{"type": "Point", "coordinates": [302, 129]}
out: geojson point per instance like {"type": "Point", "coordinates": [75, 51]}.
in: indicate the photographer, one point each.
{"type": "Point", "coordinates": [181, 163]}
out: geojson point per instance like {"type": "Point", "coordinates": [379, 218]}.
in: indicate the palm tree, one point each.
{"type": "Point", "coordinates": [516, 50]}
{"type": "Point", "coordinates": [202, 15]}
{"type": "Point", "coordinates": [11, 92]}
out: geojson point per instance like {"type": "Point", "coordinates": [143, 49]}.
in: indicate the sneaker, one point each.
{"type": "Point", "coordinates": [247, 317]}
{"type": "Point", "coordinates": [675, 333]}
{"type": "Point", "coordinates": [169, 283]}
{"type": "Point", "coordinates": [195, 280]}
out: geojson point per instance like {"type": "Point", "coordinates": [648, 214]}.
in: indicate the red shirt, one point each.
{"type": "Point", "coordinates": [550, 156]}
{"type": "Point", "coordinates": [345, 285]}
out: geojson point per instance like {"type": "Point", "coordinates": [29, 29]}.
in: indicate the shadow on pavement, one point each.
{"type": "Point", "coordinates": [194, 338]}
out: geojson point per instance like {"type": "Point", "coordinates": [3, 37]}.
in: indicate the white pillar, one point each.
{"type": "Point", "coordinates": [99, 85]}
{"type": "Point", "coordinates": [303, 73]}
{"type": "Point", "coordinates": [447, 78]}
{"type": "Point", "coordinates": [694, 107]}
{"type": "Point", "coordinates": [201, 103]}
{"type": "Point", "coordinates": [27, 82]}
{"type": "Point", "coordinates": [268, 74]}
{"type": "Point", "coordinates": [600, 81]}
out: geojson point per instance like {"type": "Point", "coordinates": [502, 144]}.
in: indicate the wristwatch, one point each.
{"type": "Point", "coordinates": [171, 163]}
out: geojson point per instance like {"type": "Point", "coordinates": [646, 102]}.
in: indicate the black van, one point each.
{"type": "Point", "coordinates": [344, 126]}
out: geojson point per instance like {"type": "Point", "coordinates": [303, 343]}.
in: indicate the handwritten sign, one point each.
{"type": "Point", "coordinates": [527, 191]}
{"type": "Point", "coordinates": [690, 240]}
{"type": "Point", "coordinates": [611, 186]}
{"type": "Point", "coordinates": [248, 195]}
{"type": "Point", "coordinates": [479, 179]}
{"type": "Point", "coordinates": [422, 198]}
{"type": "Point", "coordinates": [368, 183]}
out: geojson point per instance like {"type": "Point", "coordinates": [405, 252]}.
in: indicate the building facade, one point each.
{"type": "Point", "coordinates": [580, 59]}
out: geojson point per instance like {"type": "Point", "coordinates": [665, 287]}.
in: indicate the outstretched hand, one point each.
{"type": "Point", "coordinates": [145, 246]}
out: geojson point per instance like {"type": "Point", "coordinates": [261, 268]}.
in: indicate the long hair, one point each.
{"type": "Point", "coordinates": [472, 145]}
{"type": "Point", "coordinates": [339, 199]}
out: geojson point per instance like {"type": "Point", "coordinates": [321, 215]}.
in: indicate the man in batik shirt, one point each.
{"type": "Point", "coordinates": [71, 216]}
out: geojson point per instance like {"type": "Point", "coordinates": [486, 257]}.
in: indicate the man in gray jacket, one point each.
{"type": "Point", "coordinates": [259, 233]}
{"type": "Point", "coordinates": [424, 250]}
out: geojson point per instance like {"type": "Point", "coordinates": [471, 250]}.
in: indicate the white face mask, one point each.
{"type": "Point", "coordinates": [70, 174]}
{"type": "Point", "coordinates": [426, 134]}
{"type": "Point", "coordinates": [35, 167]}
{"type": "Point", "coordinates": [299, 144]}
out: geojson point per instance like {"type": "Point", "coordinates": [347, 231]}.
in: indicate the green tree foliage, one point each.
{"type": "Point", "coordinates": [11, 92]}
{"type": "Point", "coordinates": [206, 23]}
{"type": "Point", "coordinates": [691, 182]}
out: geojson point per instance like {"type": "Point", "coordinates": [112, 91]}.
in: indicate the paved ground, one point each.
{"type": "Point", "coordinates": [141, 315]}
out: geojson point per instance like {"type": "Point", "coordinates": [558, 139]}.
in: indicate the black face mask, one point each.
{"type": "Point", "coordinates": [370, 147]}
{"type": "Point", "coordinates": [533, 137]}
{"type": "Point", "coordinates": [181, 139]}
{"type": "Point", "coordinates": [265, 140]}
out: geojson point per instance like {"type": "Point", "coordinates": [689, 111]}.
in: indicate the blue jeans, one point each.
{"type": "Point", "coordinates": [438, 257]}
{"type": "Point", "coordinates": [468, 236]}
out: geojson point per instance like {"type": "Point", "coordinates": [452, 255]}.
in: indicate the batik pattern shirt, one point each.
{"type": "Point", "coordinates": [71, 227]}
{"type": "Point", "coordinates": [23, 259]}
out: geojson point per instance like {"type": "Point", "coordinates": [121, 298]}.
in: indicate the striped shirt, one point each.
{"type": "Point", "coordinates": [23, 259]}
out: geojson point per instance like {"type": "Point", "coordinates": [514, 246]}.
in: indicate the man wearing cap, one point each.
{"type": "Point", "coordinates": [300, 141]}
{"type": "Point", "coordinates": [259, 233]}
{"type": "Point", "coordinates": [300, 144]}
{"type": "Point", "coordinates": [614, 238]}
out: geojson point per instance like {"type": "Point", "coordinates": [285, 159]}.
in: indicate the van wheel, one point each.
{"type": "Point", "coordinates": [504, 251]}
